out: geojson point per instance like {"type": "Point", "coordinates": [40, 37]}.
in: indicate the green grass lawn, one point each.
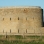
{"type": "Point", "coordinates": [21, 42]}
{"type": "Point", "coordinates": [18, 39]}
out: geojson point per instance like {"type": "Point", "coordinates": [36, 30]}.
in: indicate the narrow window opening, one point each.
{"type": "Point", "coordinates": [3, 31]}
{"type": "Point", "coordinates": [3, 18]}
{"type": "Point", "coordinates": [26, 30]}
{"type": "Point", "coordinates": [33, 18]}
{"type": "Point", "coordinates": [18, 18]}
{"type": "Point", "coordinates": [10, 19]}
{"type": "Point", "coordinates": [10, 30]}
{"type": "Point", "coordinates": [18, 30]}
{"type": "Point", "coordinates": [26, 18]}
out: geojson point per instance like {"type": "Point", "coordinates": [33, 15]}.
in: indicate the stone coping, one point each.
{"type": "Point", "coordinates": [20, 7]}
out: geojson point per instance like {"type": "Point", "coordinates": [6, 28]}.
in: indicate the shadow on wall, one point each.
{"type": "Point", "coordinates": [43, 18]}
{"type": "Point", "coordinates": [43, 24]}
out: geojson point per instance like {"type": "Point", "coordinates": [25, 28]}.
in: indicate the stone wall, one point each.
{"type": "Point", "coordinates": [20, 20]}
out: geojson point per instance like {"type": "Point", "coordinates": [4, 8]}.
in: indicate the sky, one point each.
{"type": "Point", "coordinates": [8, 3]}
{"type": "Point", "coordinates": [12, 3]}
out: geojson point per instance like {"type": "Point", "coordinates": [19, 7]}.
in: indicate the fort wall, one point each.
{"type": "Point", "coordinates": [20, 19]}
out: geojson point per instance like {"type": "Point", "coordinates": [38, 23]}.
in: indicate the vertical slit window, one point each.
{"type": "Point", "coordinates": [33, 18]}
{"type": "Point", "coordinates": [10, 19]}
{"type": "Point", "coordinates": [26, 30]}
{"type": "Point", "coordinates": [3, 18]}
{"type": "Point", "coordinates": [18, 18]}
{"type": "Point", "coordinates": [18, 30]}
{"type": "Point", "coordinates": [26, 18]}
{"type": "Point", "coordinates": [10, 30]}
{"type": "Point", "coordinates": [3, 31]}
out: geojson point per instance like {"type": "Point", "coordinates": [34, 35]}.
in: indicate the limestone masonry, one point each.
{"type": "Point", "coordinates": [21, 20]}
